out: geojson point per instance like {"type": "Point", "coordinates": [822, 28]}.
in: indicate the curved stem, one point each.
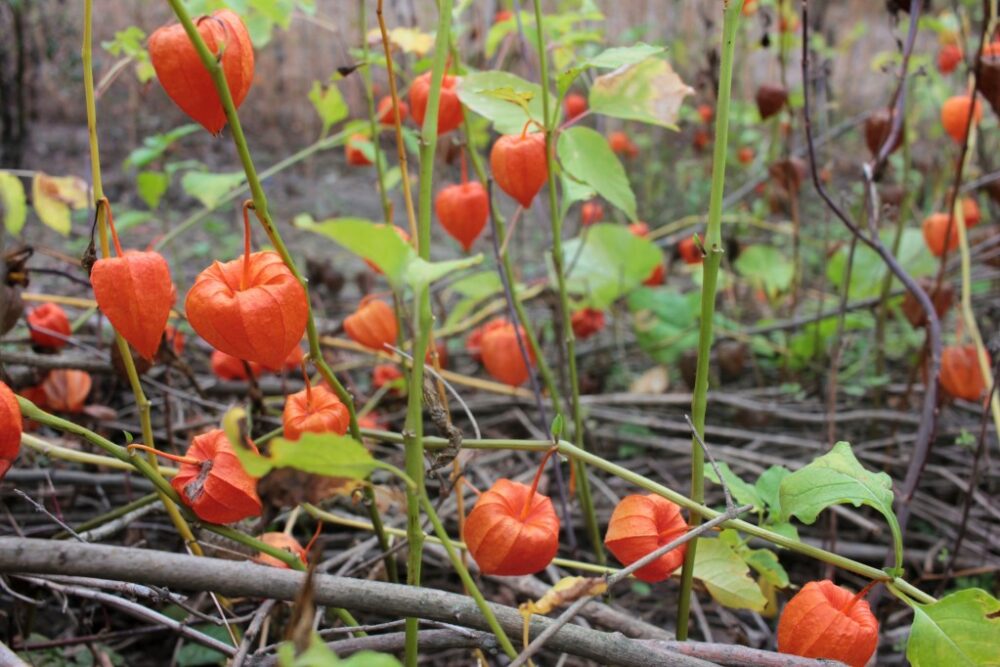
{"type": "Point", "coordinates": [710, 273]}
{"type": "Point", "coordinates": [264, 217]}
{"type": "Point", "coordinates": [583, 483]}
{"type": "Point", "coordinates": [366, 77]}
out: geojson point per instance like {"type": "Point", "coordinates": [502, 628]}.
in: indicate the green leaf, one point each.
{"type": "Point", "coordinates": [573, 191]}
{"type": "Point", "coordinates": [376, 243]}
{"type": "Point", "coordinates": [727, 576]}
{"type": "Point", "coordinates": [648, 91]}
{"type": "Point", "coordinates": [745, 494]}
{"type": "Point", "coordinates": [869, 270]}
{"type": "Point", "coordinates": [152, 185]}
{"type": "Point", "coordinates": [329, 104]}
{"type": "Point", "coordinates": [211, 189]}
{"type": "Point", "coordinates": [765, 563]}
{"type": "Point", "coordinates": [620, 56]}
{"type": "Point", "coordinates": [584, 154]}
{"type": "Point", "coordinates": [420, 273]}
{"type": "Point", "coordinates": [325, 454]}
{"type": "Point", "coordinates": [766, 267]}
{"type": "Point", "coordinates": [611, 263]}
{"type": "Point", "coordinates": [13, 201]}
{"type": "Point", "coordinates": [768, 487]}
{"type": "Point", "coordinates": [155, 146]}
{"type": "Point", "coordinates": [959, 630]}
{"type": "Point", "coordinates": [665, 322]}
{"type": "Point", "coordinates": [489, 93]}
{"type": "Point", "coordinates": [196, 655]}
{"type": "Point", "coordinates": [318, 654]}
{"type": "Point", "coordinates": [478, 285]}
{"type": "Point", "coordinates": [836, 478]}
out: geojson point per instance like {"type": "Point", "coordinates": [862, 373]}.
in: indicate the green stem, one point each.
{"type": "Point", "coordinates": [214, 68]}
{"type": "Point", "coordinates": [110, 516]}
{"type": "Point", "coordinates": [582, 482]}
{"type": "Point", "coordinates": [366, 76]}
{"type": "Point", "coordinates": [103, 215]}
{"type": "Point", "coordinates": [710, 268]}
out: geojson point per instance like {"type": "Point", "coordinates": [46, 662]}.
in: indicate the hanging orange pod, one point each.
{"type": "Point", "coordinates": [373, 325]}
{"type": "Point", "coordinates": [384, 374]}
{"type": "Point", "coordinates": [642, 524]}
{"type": "Point", "coordinates": [621, 145]}
{"type": "Point", "coordinates": [961, 375]}
{"type": "Point", "coordinates": [474, 341]}
{"type": "Point", "coordinates": [212, 482]}
{"type": "Point", "coordinates": [135, 292]}
{"type": "Point", "coordinates": [463, 209]}
{"type": "Point", "coordinates": [586, 322]}
{"type": "Point", "coordinates": [450, 114]}
{"type": "Point", "coordinates": [935, 229]}
{"type": "Point", "coordinates": [353, 150]}
{"type": "Point", "coordinates": [955, 115]}
{"type": "Point", "coordinates": [184, 77]}
{"type": "Point", "coordinates": [314, 410]}
{"type": "Point", "coordinates": [689, 251]}
{"type": "Point", "coordinates": [948, 58]}
{"type": "Point", "coordinates": [280, 541]}
{"type": "Point", "coordinates": [252, 307]}
{"type": "Point", "coordinates": [824, 620]}
{"type": "Point", "coordinates": [66, 389]}
{"type": "Point", "coordinates": [48, 317]}
{"type": "Point", "coordinates": [385, 114]}
{"type": "Point", "coordinates": [591, 212]}
{"type": "Point", "coordinates": [11, 427]}
{"type": "Point", "coordinates": [502, 356]}
{"type": "Point", "coordinates": [971, 213]}
{"type": "Point", "coordinates": [512, 530]}
{"type": "Point", "coordinates": [518, 165]}
{"type": "Point", "coordinates": [574, 105]}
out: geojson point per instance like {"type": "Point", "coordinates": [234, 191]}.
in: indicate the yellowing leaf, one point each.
{"type": "Point", "coordinates": [12, 200]}
{"type": "Point", "coordinates": [53, 196]}
{"type": "Point", "coordinates": [649, 91]}
{"type": "Point", "coordinates": [408, 40]}
{"type": "Point", "coordinates": [566, 590]}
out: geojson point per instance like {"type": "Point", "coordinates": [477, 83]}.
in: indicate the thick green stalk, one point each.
{"type": "Point", "coordinates": [103, 209]}
{"type": "Point", "coordinates": [713, 245]}
{"type": "Point", "coordinates": [582, 482]}
{"type": "Point", "coordinates": [366, 76]}
{"type": "Point", "coordinates": [214, 68]}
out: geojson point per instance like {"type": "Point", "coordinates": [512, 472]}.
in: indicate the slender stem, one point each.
{"type": "Point", "coordinates": [710, 268]}
{"type": "Point", "coordinates": [264, 217]}
{"type": "Point", "coordinates": [103, 217]}
{"type": "Point", "coordinates": [583, 483]}
{"type": "Point", "coordinates": [366, 76]}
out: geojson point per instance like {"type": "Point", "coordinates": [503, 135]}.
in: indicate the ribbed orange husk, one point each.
{"type": "Point", "coordinates": [518, 165]}
{"type": "Point", "coordinates": [474, 341]}
{"type": "Point", "coordinates": [640, 525]}
{"type": "Point", "coordinates": [383, 374]}
{"type": "Point", "coordinates": [586, 322]}
{"type": "Point", "coordinates": [689, 251]}
{"type": "Point", "coordinates": [955, 115]}
{"type": "Point", "coordinates": [227, 367]}
{"type": "Point", "coordinates": [184, 77]}
{"type": "Point", "coordinates": [373, 325]}
{"type": "Point", "coordinates": [323, 414]}
{"type": "Point", "coordinates": [501, 542]}
{"type": "Point", "coordinates": [591, 212]}
{"type": "Point", "coordinates": [935, 228]}
{"type": "Point", "coordinates": [463, 211]}
{"type": "Point", "coordinates": [66, 389]}
{"type": "Point", "coordinates": [281, 541]}
{"type": "Point", "coordinates": [218, 490]}
{"type": "Point", "coordinates": [48, 317]}
{"type": "Point", "coordinates": [261, 323]}
{"type": "Point", "coordinates": [814, 624]}
{"type": "Point", "coordinates": [11, 427]}
{"type": "Point", "coordinates": [502, 356]}
{"type": "Point", "coordinates": [386, 115]}
{"type": "Point", "coordinates": [622, 145]}
{"type": "Point", "coordinates": [961, 375]}
{"type": "Point", "coordinates": [450, 114]}
{"type": "Point", "coordinates": [136, 293]}
{"type": "Point", "coordinates": [574, 105]}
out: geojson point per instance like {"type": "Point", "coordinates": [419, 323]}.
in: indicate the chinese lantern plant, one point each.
{"type": "Point", "coordinates": [11, 427]}
{"type": "Point", "coordinates": [824, 620]}
{"type": "Point", "coordinates": [642, 524]}
{"type": "Point", "coordinates": [518, 164]}
{"type": "Point", "coordinates": [314, 410]}
{"type": "Point", "coordinates": [463, 209]}
{"type": "Point", "coordinates": [49, 326]}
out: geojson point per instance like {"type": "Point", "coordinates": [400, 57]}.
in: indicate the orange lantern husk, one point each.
{"type": "Point", "coordinates": [642, 524]}
{"type": "Point", "coordinates": [135, 292]}
{"type": "Point", "coordinates": [11, 428]}
{"type": "Point", "coordinates": [186, 80]}
{"type": "Point", "coordinates": [939, 238]}
{"type": "Point", "coordinates": [586, 322]}
{"type": "Point", "coordinates": [501, 354]}
{"type": "Point", "coordinates": [955, 115]}
{"type": "Point", "coordinates": [824, 620]}
{"type": "Point", "coordinates": [66, 389]}
{"type": "Point", "coordinates": [961, 376]}
{"type": "Point", "coordinates": [46, 320]}
{"type": "Point", "coordinates": [463, 209]}
{"type": "Point", "coordinates": [280, 541]}
{"type": "Point", "coordinates": [474, 341]}
{"type": "Point", "coordinates": [518, 165]}
{"type": "Point", "coordinates": [314, 410]}
{"type": "Point", "coordinates": [212, 482]}
{"type": "Point", "coordinates": [385, 114]}
{"type": "Point", "coordinates": [513, 530]}
{"type": "Point", "coordinates": [450, 114]}
{"type": "Point", "coordinates": [252, 308]}
{"type": "Point", "coordinates": [574, 105]}
{"type": "Point", "coordinates": [373, 325]}
{"type": "Point", "coordinates": [689, 251]}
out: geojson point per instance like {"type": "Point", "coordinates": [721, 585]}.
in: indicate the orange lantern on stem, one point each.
{"type": "Point", "coordinates": [373, 325]}
{"type": "Point", "coordinates": [46, 320]}
{"type": "Point", "coordinates": [11, 427]}
{"type": "Point", "coordinates": [501, 353]}
{"type": "Point", "coordinates": [513, 530]}
{"type": "Point", "coordinates": [824, 620]}
{"type": "Point", "coordinates": [642, 524]}
{"type": "Point", "coordinates": [961, 375]}
{"type": "Point", "coordinates": [134, 290]}
{"type": "Point", "coordinates": [463, 209]}
{"type": "Point", "coordinates": [314, 410]}
{"type": "Point", "coordinates": [518, 164]}
{"type": "Point", "coordinates": [252, 308]}
{"type": "Point", "coordinates": [450, 114]}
